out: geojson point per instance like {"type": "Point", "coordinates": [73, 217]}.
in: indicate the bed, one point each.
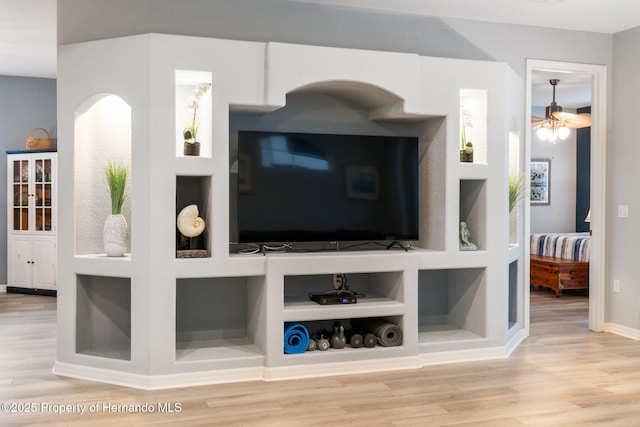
{"type": "Point", "coordinates": [560, 261]}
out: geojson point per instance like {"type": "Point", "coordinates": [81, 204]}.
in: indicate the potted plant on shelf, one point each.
{"type": "Point", "coordinates": [115, 233]}
{"type": "Point", "coordinates": [190, 133]}
{"type": "Point", "coordinates": [466, 147]}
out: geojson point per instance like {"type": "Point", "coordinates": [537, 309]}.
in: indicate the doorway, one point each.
{"type": "Point", "coordinates": [598, 75]}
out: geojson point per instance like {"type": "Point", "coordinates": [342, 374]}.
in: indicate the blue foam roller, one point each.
{"type": "Point", "coordinates": [296, 338]}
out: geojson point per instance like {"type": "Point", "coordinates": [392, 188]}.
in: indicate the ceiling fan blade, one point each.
{"type": "Point", "coordinates": [536, 127]}
{"type": "Point", "coordinates": [535, 120]}
{"type": "Point", "coordinates": [574, 121]}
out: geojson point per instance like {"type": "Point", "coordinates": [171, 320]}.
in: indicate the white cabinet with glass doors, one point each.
{"type": "Point", "coordinates": [31, 219]}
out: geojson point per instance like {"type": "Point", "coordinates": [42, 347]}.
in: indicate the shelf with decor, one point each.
{"type": "Point", "coordinates": [193, 217]}
{"type": "Point", "coordinates": [354, 340]}
{"type": "Point", "coordinates": [473, 215]}
{"type": "Point", "coordinates": [193, 113]}
{"type": "Point", "coordinates": [377, 294]}
{"type": "Point", "coordinates": [473, 126]}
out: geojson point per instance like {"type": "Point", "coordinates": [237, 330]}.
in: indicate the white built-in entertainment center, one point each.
{"type": "Point", "coordinates": [153, 320]}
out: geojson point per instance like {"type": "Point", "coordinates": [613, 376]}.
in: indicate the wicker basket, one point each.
{"type": "Point", "coordinates": [33, 143]}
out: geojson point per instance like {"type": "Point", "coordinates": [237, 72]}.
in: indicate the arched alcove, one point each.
{"type": "Point", "coordinates": [102, 132]}
{"type": "Point", "coordinates": [362, 94]}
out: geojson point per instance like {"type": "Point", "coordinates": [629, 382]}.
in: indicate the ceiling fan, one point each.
{"type": "Point", "coordinates": [556, 123]}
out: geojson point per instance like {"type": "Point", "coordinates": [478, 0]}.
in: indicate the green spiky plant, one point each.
{"type": "Point", "coordinates": [117, 174]}
{"type": "Point", "coordinates": [517, 187]}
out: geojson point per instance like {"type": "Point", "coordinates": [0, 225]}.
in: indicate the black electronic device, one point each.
{"type": "Point", "coordinates": [314, 187]}
{"type": "Point", "coordinates": [334, 298]}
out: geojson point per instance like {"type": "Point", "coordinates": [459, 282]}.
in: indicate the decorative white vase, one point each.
{"type": "Point", "coordinates": [115, 235]}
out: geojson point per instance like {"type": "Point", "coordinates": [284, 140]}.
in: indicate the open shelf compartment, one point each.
{"type": "Point", "coordinates": [348, 353]}
{"type": "Point", "coordinates": [220, 318]}
{"type": "Point", "coordinates": [383, 295]}
{"type": "Point", "coordinates": [103, 320]}
{"type": "Point", "coordinates": [451, 305]}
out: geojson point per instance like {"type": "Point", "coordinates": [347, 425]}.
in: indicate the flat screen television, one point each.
{"type": "Point", "coordinates": [313, 187]}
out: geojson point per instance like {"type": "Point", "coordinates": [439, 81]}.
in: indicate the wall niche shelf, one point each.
{"type": "Point", "coordinates": [153, 320]}
{"type": "Point", "coordinates": [215, 318]}
{"type": "Point", "coordinates": [451, 305]}
{"type": "Point", "coordinates": [473, 122]}
{"type": "Point", "coordinates": [190, 100]}
{"type": "Point", "coordinates": [473, 211]}
{"type": "Point", "coordinates": [103, 326]}
{"type": "Point", "coordinates": [193, 190]}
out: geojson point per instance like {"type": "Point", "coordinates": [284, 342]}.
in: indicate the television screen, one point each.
{"type": "Point", "coordinates": [304, 187]}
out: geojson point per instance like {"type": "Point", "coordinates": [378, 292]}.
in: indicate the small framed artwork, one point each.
{"type": "Point", "coordinates": [540, 182]}
{"type": "Point", "coordinates": [362, 182]}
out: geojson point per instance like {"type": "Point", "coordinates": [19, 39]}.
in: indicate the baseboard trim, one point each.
{"type": "Point", "coordinates": [621, 330]}
{"type": "Point", "coordinates": [515, 341]}
{"type": "Point", "coordinates": [461, 356]}
{"type": "Point", "coordinates": [157, 382]}
{"type": "Point", "coordinates": [3, 289]}
{"type": "Point", "coordinates": [340, 368]}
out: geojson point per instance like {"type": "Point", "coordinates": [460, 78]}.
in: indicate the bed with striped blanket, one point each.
{"type": "Point", "coordinates": [560, 261]}
{"type": "Point", "coordinates": [574, 246]}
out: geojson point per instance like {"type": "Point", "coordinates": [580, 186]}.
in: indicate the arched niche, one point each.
{"type": "Point", "coordinates": [365, 95]}
{"type": "Point", "coordinates": [102, 132]}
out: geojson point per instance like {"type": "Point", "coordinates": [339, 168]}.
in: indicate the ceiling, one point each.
{"type": "Point", "coordinates": [597, 16]}
{"type": "Point", "coordinates": [28, 38]}
{"type": "Point", "coordinates": [28, 30]}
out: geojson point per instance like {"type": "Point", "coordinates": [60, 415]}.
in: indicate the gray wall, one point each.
{"type": "Point", "coordinates": [623, 234]}
{"type": "Point", "coordinates": [278, 20]}
{"type": "Point", "coordinates": [25, 103]}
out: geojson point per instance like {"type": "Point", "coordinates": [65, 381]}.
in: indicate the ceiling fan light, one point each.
{"type": "Point", "coordinates": [552, 137]}
{"type": "Point", "coordinates": [563, 132]}
{"type": "Point", "coordinates": [542, 133]}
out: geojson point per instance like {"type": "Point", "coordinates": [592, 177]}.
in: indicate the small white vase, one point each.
{"type": "Point", "coordinates": [115, 235]}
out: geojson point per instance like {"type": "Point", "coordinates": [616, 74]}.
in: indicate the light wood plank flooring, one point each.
{"type": "Point", "coordinates": [562, 375]}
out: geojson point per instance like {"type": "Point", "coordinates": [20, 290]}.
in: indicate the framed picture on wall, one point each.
{"type": "Point", "coordinates": [540, 182]}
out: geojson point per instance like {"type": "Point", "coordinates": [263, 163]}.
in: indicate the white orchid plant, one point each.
{"type": "Point", "coordinates": [190, 133]}
{"type": "Point", "coordinates": [465, 119]}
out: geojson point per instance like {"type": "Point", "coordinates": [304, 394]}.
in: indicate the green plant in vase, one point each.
{"type": "Point", "coordinates": [117, 174]}
{"type": "Point", "coordinates": [115, 233]}
{"type": "Point", "coordinates": [190, 133]}
{"type": "Point", "coordinates": [517, 190]}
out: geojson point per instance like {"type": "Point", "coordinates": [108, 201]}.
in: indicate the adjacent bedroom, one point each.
{"type": "Point", "coordinates": [560, 188]}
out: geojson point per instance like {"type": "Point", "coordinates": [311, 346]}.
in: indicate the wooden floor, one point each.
{"type": "Point", "coordinates": [562, 375]}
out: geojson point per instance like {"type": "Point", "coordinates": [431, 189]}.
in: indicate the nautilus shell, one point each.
{"type": "Point", "coordinates": [189, 223]}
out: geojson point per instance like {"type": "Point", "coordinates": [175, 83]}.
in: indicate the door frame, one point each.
{"type": "Point", "coordinates": [598, 182]}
